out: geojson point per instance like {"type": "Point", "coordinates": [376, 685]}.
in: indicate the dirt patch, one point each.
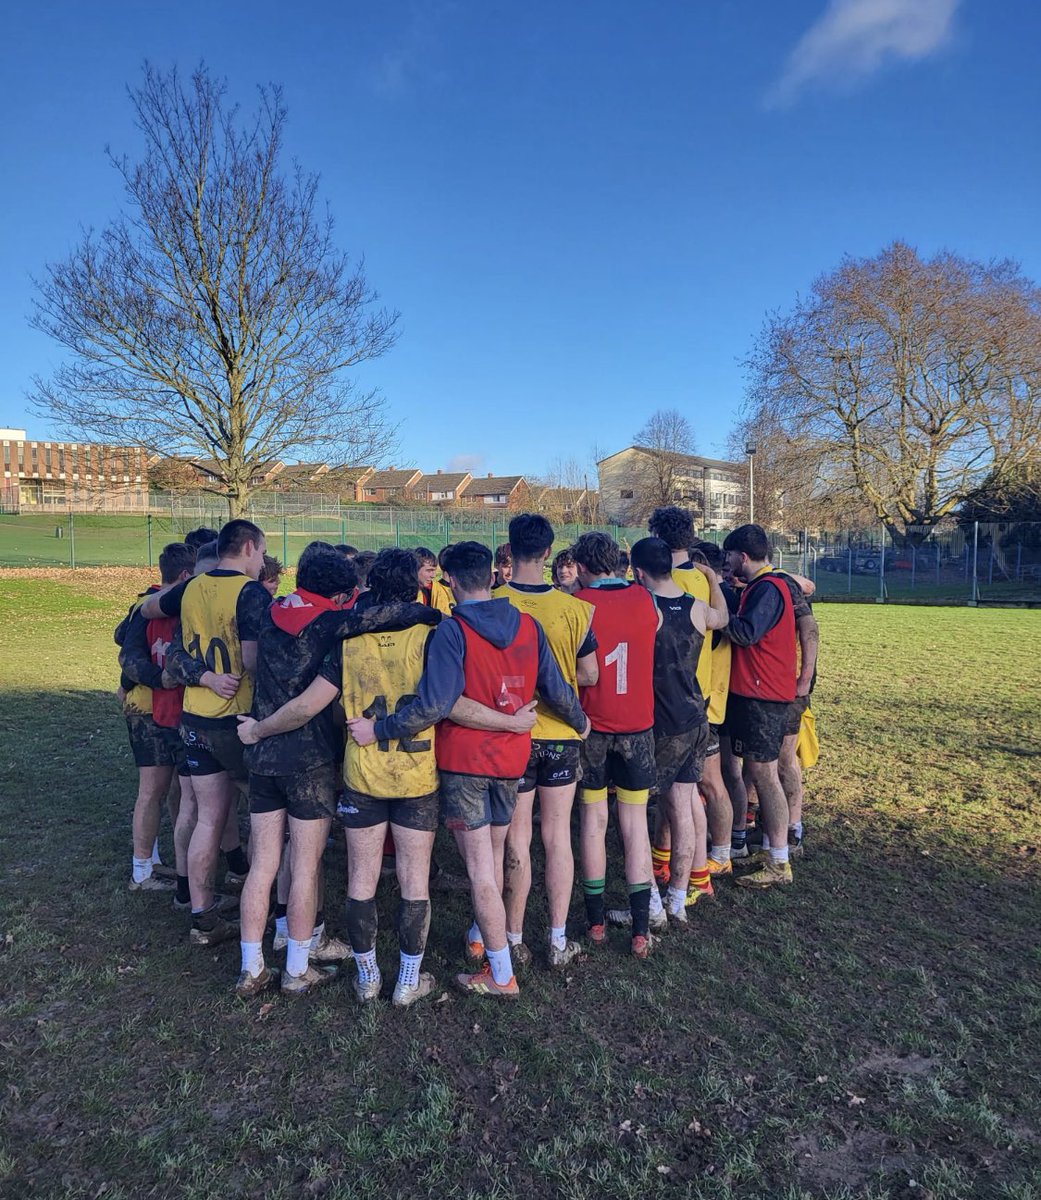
{"type": "Point", "coordinates": [908, 1066]}
{"type": "Point", "coordinates": [861, 1156]}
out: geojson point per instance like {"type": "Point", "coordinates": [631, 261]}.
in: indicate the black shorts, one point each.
{"type": "Point", "coordinates": [212, 748]}
{"type": "Point", "coordinates": [358, 811]}
{"type": "Point", "coordinates": [680, 757]}
{"type": "Point", "coordinates": [715, 732]}
{"type": "Point", "coordinates": [623, 759]}
{"type": "Point", "coordinates": [552, 764]}
{"type": "Point", "coordinates": [795, 710]}
{"type": "Point", "coordinates": [306, 796]}
{"type": "Point", "coordinates": [155, 745]}
{"type": "Point", "coordinates": [756, 727]}
{"type": "Point", "coordinates": [473, 801]}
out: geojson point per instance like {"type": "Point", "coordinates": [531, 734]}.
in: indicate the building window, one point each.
{"type": "Point", "coordinates": [626, 493]}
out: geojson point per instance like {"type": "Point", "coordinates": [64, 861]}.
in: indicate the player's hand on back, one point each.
{"type": "Point", "coordinates": [225, 685]}
{"type": "Point", "coordinates": [247, 731]}
{"type": "Point", "coordinates": [588, 730]}
{"type": "Point", "coordinates": [523, 720]}
{"type": "Point", "coordinates": [709, 574]}
{"type": "Point", "coordinates": [362, 729]}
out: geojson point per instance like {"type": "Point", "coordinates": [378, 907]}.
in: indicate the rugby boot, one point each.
{"type": "Point", "coordinates": [405, 996]}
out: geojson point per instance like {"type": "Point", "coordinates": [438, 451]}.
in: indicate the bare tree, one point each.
{"type": "Point", "coordinates": [795, 486]}
{"type": "Point", "coordinates": [667, 440]}
{"type": "Point", "coordinates": [215, 318]}
{"type": "Point", "coordinates": [915, 379]}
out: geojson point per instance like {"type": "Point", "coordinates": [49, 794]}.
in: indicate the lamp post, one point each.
{"type": "Point", "coordinates": [750, 451]}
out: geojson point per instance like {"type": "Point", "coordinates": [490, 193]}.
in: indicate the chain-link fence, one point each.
{"type": "Point", "coordinates": [977, 563]}
{"type": "Point", "coordinates": [81, 540]}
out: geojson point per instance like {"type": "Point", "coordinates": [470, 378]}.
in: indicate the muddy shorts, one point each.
{"type": "Point", "coordinates": [756, 727]}
{"type": "Point", "coordinates": [795, 710]}
{"type": "Point", "coordinates": [358, 811]}
{"type": "Point", "coordinates": [473, 801]}
{"type": "Point", "coordinates": [552, 764]}
{"type": "Point", "coordinates": [680, 757]}
{"type": "Point", "coordinates": [212, 748]}
{"type": "Point", "coordinates": [305, 796]}
{"type": "Point", "coordinates": [155, 745]}
{"type": "Point", "coordinates": [715, 732]}
{"type": "Point", "coordinates": [623, 759]}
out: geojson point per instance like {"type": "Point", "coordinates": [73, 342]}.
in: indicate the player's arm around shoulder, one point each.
{"type": "Point", "coordinates": [319, 694]}
{"type": "Point", "coordinates": [588, 667]}
{"type": "Point", "coordinates": [716, 613]}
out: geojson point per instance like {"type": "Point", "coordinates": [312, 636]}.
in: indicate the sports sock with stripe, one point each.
{"type": "Point", "coordinates": [701, 880]}
{"type": "Point", "coordinates": [593, 891]}
{"type": "Point", "coordinates": [640, 907]}
{"type": "Point", "coordinates": [142, 869]}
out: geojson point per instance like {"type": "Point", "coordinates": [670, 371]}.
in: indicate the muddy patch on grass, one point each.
{"type": "Point", "coordinates": [860, 1157]}
{"type": "Point", "coordinates": [909, 1066]}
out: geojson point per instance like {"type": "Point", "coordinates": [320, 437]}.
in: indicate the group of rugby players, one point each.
{"type": "Point", "coordinates": [393, 697]}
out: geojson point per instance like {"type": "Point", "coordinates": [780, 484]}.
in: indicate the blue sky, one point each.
{"type": "Point", "coordinates": [583, 211]}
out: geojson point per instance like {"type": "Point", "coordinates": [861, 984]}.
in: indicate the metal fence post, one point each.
{"type": "Point", "coordinates": [975, 563]}
{"type": "Point", "coordinates": [882, 568]}
{"type": "Point", "coordinates": [285, 542]}
{"type": "Point", "coordinates": [148, 523]}
{"type": "Point", "coordinates": [849, 581]}
{"type": "Point", "coordinates": [72, 539]}
{"type": "Point", "coordinates": [1019, 563]}
{"type": "Point", "coordinates": [343, 529]}
{"type": "Point", "coordinates": [914, 565]}
{"type": "Point", "coordinates": [990, 571]}
{"type": "Point", "coordinates": [805, 552]}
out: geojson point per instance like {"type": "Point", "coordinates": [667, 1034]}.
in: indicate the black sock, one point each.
{"type": "Point", "coordinates": [281, 910]}
{"type": "Point", "coordinates": [237, 862]}
{"type": "Point", "coordinates": [738, 838]}
{"type": "Point", "coordinates": [640, 908]}
{"type": "Point", "coordinates": [593, 892]}
{"type": "Point", "coordinates": [207, 919]}
{"type": "Point", "coordinates": [361, 924]}
{"type": "Point", "coordinates": [413, 925]}
{"type": "Point", "coordinates": [183, 894]}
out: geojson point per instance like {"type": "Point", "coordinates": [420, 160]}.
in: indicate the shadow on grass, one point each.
{"type": "Point", "coordinates": [877, 1022]}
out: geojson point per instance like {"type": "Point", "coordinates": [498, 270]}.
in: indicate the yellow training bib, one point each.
{"type": "Point", "coordinates": [209, 630]}
{"type": "Point", "coordinates": [381, 673]}
{"type": "Point", "coordinates": [695, 584]}
{"type": "Point", "coordinates": [565, 621]}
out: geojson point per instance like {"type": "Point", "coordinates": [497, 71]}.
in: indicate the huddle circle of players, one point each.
{"type": "Point", "coordinates": [391, 699]}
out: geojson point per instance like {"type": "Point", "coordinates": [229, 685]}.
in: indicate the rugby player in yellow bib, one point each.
{"type": "Point", "coordinates": [221, 613]}
{"type": "Point", "coordinates": [553, 767]}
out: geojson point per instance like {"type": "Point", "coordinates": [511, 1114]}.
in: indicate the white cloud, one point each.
{"type": "Point", "coordinates": [855, 38]}
{"type": "Point", "coordinates": [466, 462]}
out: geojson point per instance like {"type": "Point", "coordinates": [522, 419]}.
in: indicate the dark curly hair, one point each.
{"type": "Point", "coordinates": [675, 526]}
{"type": "Point", "coordinates": [393, 576]}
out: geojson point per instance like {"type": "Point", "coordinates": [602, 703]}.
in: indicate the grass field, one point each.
{"type": "Point", "coordinates": [875, 1031]}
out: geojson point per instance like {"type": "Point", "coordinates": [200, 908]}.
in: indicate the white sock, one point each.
{"type": "Point", "coordinates": [656, 904]}
{"type": "Point", "coordinates": [558, 938]}
{"type": "Point", "coordinates": [408, 971]}
{"type": "Point", "coordinates": [721, 854]}
{"type": "Point", "coordinates": [475, 934]}
{"type": "Point", "coordinates": [779, 854]}
{"type": "Point", "coordinates": [282, 927]}
{"type": "Point", "coordinates": [514, 939]}
{"type": "Point", "coordinates": [319, 933]}
{"type": "Point", "coordinates": [155, 853]}
{"type": "Point", "coordinates": [142, 869]}
{"type": "Point", "coordinates": [252, 957]}
{"type": "Point", "coordinates": [367, 968]}
{"type": "Point", "coordinates": [501, 964]}
{"type": "Point", "coordinates": [676, 899]}
{"type": "Point", "coordinates": [297, 953]}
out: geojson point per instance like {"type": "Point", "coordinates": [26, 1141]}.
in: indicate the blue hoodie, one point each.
{"type": "Point", "coordinates": [498, 622]}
